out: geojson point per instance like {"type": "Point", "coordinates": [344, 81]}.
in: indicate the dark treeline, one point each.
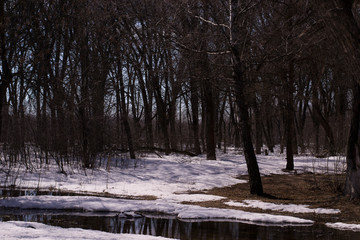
{"type": "Point", "coordinates": [81, 78]}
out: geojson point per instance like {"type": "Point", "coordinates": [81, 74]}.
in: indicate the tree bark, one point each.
{"type": "Point", "coordinates": [250, 157]}
{"type": "Point", "coordinates": [352, 185]}
{"type": "Point", "coordinates": [120, 95]}
{"type": "Point", "coordinates": [210, 122]}
{"type": "Point", "coordinates": [258, 127]}
{"type": "Point", "coordinates": [237, 33]}
{"type": "Point", "coordinates": [194, 99]}
{"type": "Point", "coordinates": [6, 71]}
{"type": "Point", "coordinates": [289, 116]}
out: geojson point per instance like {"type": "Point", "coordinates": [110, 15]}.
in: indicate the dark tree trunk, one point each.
{"type": "Point", "coordinates": [289, 117]}
{"type": "Point", "coordinates": [250, 157]}
{"type": "Point", "coordinates": [268, 129]}
{"type": "Point", "coordinates": [341, 106]}
{"type": "Point", "coordinates": [6, 72]}
{"type": "Point", "coordinates": [238, 33]}
{"type": "Point", "coordinates": [221, 124]}
{"type": "Point", "coordinates": [289, 132]}
{"type": "Point", "coordinates": [235, 124]}
{"type": "Point", "coordinates": [84, 102]}
{"type": "Point", "coordinates": [245, 128]}
{"type": "Point", "coordinates": [210, 122]}
{"type": "Point", "coordinates": [120, 95]}
{"type": "Point", "coordinates": [147, 112]}
{"type": "Point", "coordinates": [162, 117]}
{"type": "Point", "coordinates": [352, 186]}
{"type": "Point", "coordinates": [258, 128]}
{"type": "Point", "coordinates": [194, 99]}
{"type": "Point", "coordinates": [319, 117]}
{"type": "Point", "coordinates": [300, 124]}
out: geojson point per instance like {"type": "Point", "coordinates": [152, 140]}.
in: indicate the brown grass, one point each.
{"type": "Point", "coordinates": [318, 191]}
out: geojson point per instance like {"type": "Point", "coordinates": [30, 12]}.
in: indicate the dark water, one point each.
{"type": "Point", "coordinates": [9, 192]}
{"type": "Point", "coordinates": [169, 226]}
{"type": "Point", "coordinates": [165, 225]}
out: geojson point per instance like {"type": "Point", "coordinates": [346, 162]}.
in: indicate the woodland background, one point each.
{"type": "Point", "coordinates": [84, 79]}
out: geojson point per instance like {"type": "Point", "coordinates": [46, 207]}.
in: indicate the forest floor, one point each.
{"type": "Point", "coordinates": [314, 190]}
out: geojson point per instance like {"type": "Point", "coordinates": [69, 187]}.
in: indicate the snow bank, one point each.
{"type": "Point", "coordinates": [161, 177]}
{"type": "Point", "coordinates": [31, 230]}
{"type": "Point", "coordinates": [257, 218]}
{"type": "Point", "coordinates": [293, 208]}
{"type": "Point", "coordinates": [84, 203]}
{"type": "Point", "coordinates": [344, 226]}
{"type": "Point", "coordinates": [178, 198]}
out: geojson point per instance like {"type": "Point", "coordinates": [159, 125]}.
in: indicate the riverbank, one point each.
{"type": "Point", "coordinates": [192, 187]}
{"type": "Point", "coordinates": [289, 194]}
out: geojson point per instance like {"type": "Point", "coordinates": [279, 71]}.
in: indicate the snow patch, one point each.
{"type": "Point", "coordinates": [178, 198]}
{"type": "Point", "coordinates": [293, 208]}
{"type": "Point", "coordinates": [344, 226]}
{"type": "Point", "coordinates": [84, 203]}
{"type": "Point", "coordinates": [30, 230]}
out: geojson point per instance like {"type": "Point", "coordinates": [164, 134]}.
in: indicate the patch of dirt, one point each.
{"type": "Point", "coordinates": [316, 190]}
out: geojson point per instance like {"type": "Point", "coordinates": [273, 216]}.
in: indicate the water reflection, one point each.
{"type": "Point", "coordinates": [169, 226]}
{"type": "Point", "coordinates": [10, 192]}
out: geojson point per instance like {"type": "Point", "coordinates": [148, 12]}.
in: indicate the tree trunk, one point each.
{"type": "Point", "coordinates": [237, 33]}
{"type": "Point", "coordinates": [319, 117]}
{"type": "Point", "coordinates": [220, 123]}
{"type": "Point", "coordinates": [341, 106]}
{"type": "Point", "coordinates": [6, 72]}
{"type": "Point", "coordinates": [194, 99]}
{"type": "Point", "coordinates": [258, 128]}
{"type": "Point", "coordinates": [162, 116]}
{"type": "Point", "coordinates": [268, 130]}
{"type": "Point", "coordinates": [120, 95]}
{"type": "Point", "coordinates": [289, 116]}
{"type": "Point", "coordinates": [84, 102]}
{"type": "Point", "coordinates": [352, 185]}
{"type": "Point", "coordinates": [210, 122]}
{"type": "Point", "coordinates": [147, 112]}
{"type": "Point", "coordinates": [250, 157]}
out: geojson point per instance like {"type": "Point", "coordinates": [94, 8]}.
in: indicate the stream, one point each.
{"type": "Point", "coordinates": [168, 225]}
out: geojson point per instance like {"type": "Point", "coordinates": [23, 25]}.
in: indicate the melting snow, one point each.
{"type": "Point", "coordinates": [168, 179]}
{"type": "Point", "coordinates": [31, 230]}
{"type": "Point", "coordinates": [294, 208]}
{"type": "Point", "coordinates": [344, 226]}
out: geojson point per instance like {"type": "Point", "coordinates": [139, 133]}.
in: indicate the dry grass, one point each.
{"type": "Point", "coordinates": [318, 191]}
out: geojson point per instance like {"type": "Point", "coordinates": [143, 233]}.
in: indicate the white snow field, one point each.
{"type": "Point", "coordinates": [167, 178]}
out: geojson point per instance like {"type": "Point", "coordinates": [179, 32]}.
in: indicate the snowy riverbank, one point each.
{"type": "Point", "coordinates": [168, 180]}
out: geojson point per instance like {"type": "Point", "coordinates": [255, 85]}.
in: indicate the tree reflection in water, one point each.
{"type": "Point", "coordinates": [169, 226]}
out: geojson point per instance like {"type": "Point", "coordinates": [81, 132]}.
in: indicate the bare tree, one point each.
{"type": "Point", "coordinates": [341, 16]}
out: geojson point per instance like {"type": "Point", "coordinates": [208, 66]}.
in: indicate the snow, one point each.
{"type": "Point", "coordinates": [182, 211]}
{"type": "Point", "coordinates": [293, 208]}
{"type": "Point", "coordinates": [344, 226]}
{"type": "Point", "coordinates": [154, 176]}
{"type": "Point", "coordinates": [168, 179]}
{"type": "Point", "coordinates": [31, 230]}
{"type": "Point", "coordinates": [164, 177]}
